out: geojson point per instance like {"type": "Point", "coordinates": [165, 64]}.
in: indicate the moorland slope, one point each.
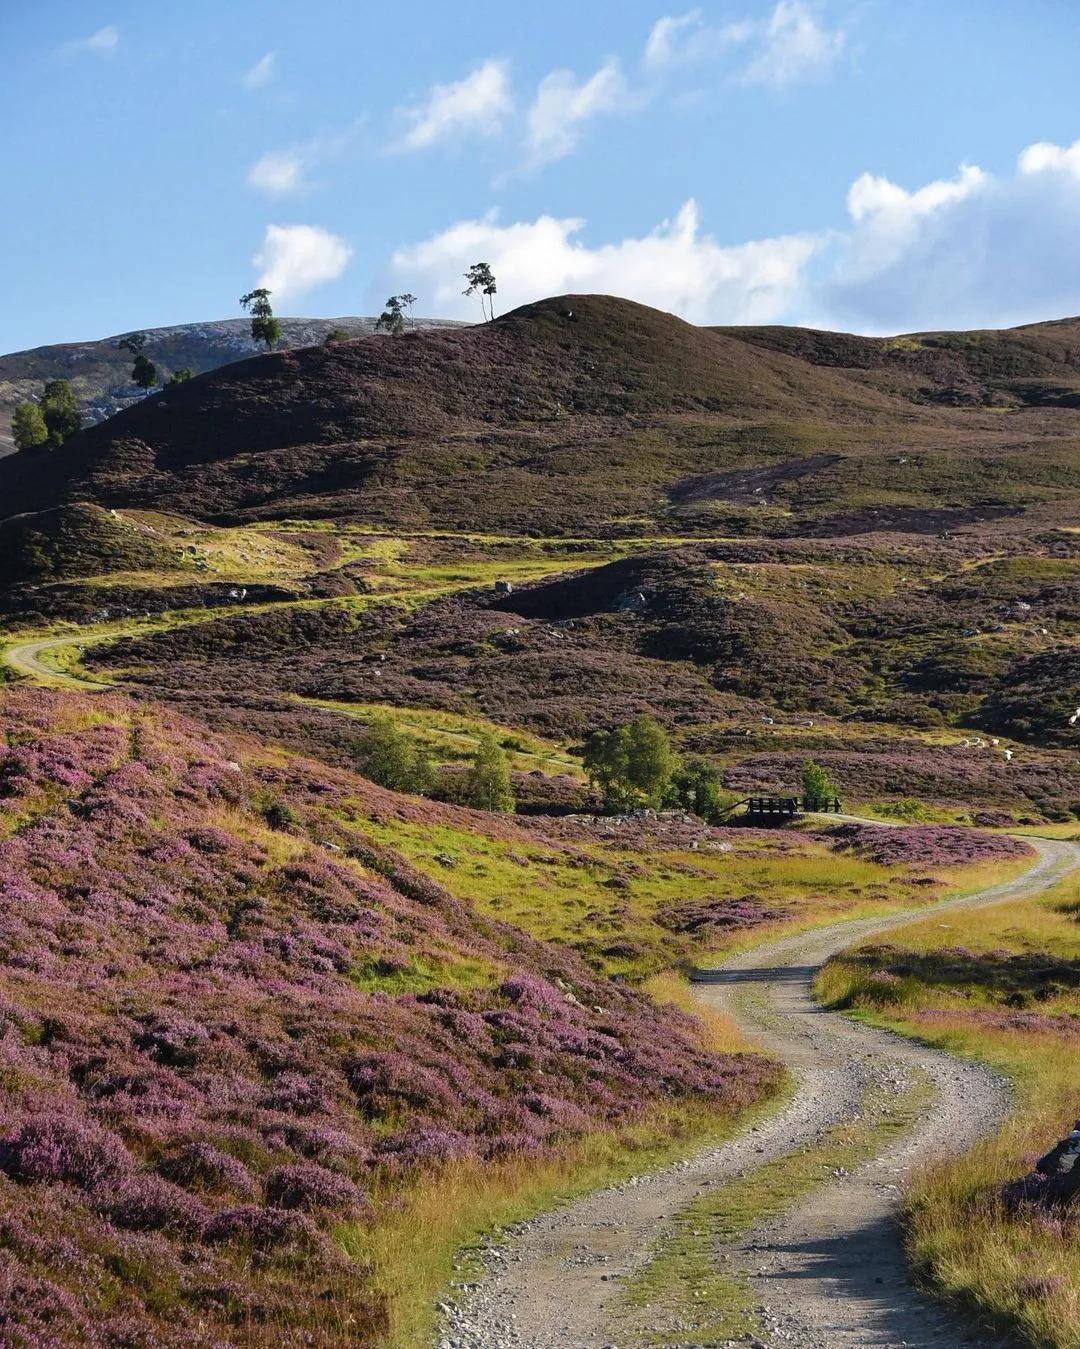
{"type": "Point", "coordinates": [587, 413]}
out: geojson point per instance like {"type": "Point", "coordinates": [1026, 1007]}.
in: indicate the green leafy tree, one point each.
{"type": "Point", "coordinates": [60, 411]}
{"type": "Point", "coordinates": [393, 758]}
{"type": "Point", "coordinates": [336, 335]}
{"type": "Point", "coordinates": [180, 376]}
{"type": "Point", "coordinates": [631, 766]}
{"type": "Point", "coordinates": [28, 426]}
{"type": "Point", "coordinates": [486, 783]}
{"type": "Point", "coordinates": [816, 788]}
{"type": "Point", "coordinates": [144, 372]}
{"type": "Point", "coordinates": [264, 327]}
{"type": "Point", "coordinates": [698, 787]}
{"type": "Point", "coordinates": [392, 318]}
{"type": "Point", "coordinates": [482, 279]}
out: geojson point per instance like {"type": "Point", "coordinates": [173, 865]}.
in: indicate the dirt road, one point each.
{"type": "Point", "coordinates": [830, 1274]}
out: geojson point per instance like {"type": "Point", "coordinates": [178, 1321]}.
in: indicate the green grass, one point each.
{"type": "Point", "coordinates": [602, 899]}
{"type": "Point", "coordinates": [454, 736]}
{"type": "Point", "coordinates": [688, 1293]}
{"type": "Point", "coordinates": [420, 975]}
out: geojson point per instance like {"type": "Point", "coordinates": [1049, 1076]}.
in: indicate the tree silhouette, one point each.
{"type": "Point", "coordinates": [264, 327]}
{"type": "Point", "coordinates": [481, 278]}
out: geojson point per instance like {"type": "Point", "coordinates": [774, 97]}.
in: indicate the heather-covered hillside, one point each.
{"type": "Point", "coordinates": [583, 414]}
{"type": "Point", "coordinates": [233, 1026]}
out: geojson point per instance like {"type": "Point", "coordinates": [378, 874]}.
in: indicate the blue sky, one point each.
{"type": "Point", "coordinates": [876, 165]}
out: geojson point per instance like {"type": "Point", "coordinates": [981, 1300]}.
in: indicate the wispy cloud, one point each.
{"type": "Point", "coordinates": [794, 45]}
{"type": "Point", "coordinates": [294, 259]}
{"type": "Point", "coordinates": [279, 173]}
{"type": "Point", "coordinates": [563, 106]}
{"type": "Point", "coordinates": [682, 39]}
{"type": "Point", "coordinates": [474, 106]}
{"type": "Point", "coordinates": [283, 173]}
{"type": "Point", "coordinates": [102, 43]}
{"type": "Point", "coordinates": [261, 73]}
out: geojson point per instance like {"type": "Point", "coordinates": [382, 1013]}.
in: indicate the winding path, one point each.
{"type": "Point", "coordinates": [829, 1274]}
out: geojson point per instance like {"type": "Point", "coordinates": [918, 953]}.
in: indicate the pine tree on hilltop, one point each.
{"type": "Point", "coordinates": [264, 327]}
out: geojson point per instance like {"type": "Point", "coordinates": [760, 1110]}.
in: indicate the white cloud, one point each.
{"type": "Point", "coordinates": [296, 258]}
{"type": "Point", "coordinates": [679, 40]}
{"type": "Point", "coordinates": [476, 105]}
{"type": "Point", "coordinates": [976, 250]}
{"type": "Point", "coordinates": [262, 72]}
{"type": "Point", "coordinates": [283, 173]}
{"type": "Point", "coordinates": [562, 106]}
{"type": "Point", "coordinates": [278, 173]}
{"type": "Point", "coordinates": [794, 45]}
{"type": "Point", "coordinates": [1045, 157]}
{"type": "Point", "coordinates": [968, 251]}
{"type": "Point", "coordinates": [102, 43]}
{"type": "Point", "coordinates": [676, 267]}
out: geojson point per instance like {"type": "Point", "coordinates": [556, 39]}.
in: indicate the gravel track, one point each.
{"type": "Point", "coordinates": [831, 1273]}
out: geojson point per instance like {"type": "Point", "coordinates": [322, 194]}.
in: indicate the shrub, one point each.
{"type": "Point", "coordinates": [393, 758]}
{"type": "Point", "coordinates": [485, 785]}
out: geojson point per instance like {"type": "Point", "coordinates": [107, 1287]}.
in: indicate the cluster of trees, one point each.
{"type": "Point", "coordinates": [144, 372]}
{"type": "Point", "coordinates": [400, 762]}
{"type": "Point", "coordinates": [634, 766]}
{"type": "Point", "coordinates": [393, 318]}
{"type": "Point", "coordinates": [50, 421]}
{"type": "Point", "coordinates": [55, 416]}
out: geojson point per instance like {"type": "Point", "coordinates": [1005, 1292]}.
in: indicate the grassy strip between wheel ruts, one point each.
{"type": "Point", "coordinates": [444, 1223]}
{"type": "Point", "coordinates": [690, 1293]}
{"type": "Point", "coordinates": [1000, 985]}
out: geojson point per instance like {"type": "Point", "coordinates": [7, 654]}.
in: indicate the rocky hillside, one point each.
{"type": "Point", "coordinates": [100, 373]}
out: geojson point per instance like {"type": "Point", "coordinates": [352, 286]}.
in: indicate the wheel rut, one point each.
{"type": "Point", "coordinates": [830, 1273]}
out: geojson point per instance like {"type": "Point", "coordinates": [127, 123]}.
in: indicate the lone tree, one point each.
{"type": "Point", "coordinates": [143, 370]}
{"type": "Point", "coordinates": [486, 782]}
{"type": "Point", "coordinates": [60, 411]}
{"type": "Point", "coordinates": [817, 790]}
{"type": "Point", "coordinates": [392, 318]}
{"type": "Point", "coordinates": [633, 765]}
{"type": "Point", "coordinates": [264, 327]}
{"type": "Point", "coordinates": [481, 278]}
{"type": "Point", "coordinates": [28, 426]}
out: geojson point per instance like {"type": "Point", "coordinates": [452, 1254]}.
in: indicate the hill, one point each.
{"type": "Point", "coordinates": [239, 1034]}
{"type": "Point", "coordinates": [101, 374]}
{"type": "Point", "coordinates": [585, 414]}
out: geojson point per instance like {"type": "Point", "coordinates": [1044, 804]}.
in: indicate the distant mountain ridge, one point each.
{"type": "Point", "coordinates": [101, 373]}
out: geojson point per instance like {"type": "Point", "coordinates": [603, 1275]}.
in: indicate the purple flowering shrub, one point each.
{"type": "Point", "coordinates": [929, 845]}
{"type": "Point", "coordinates": [194, 1088]}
